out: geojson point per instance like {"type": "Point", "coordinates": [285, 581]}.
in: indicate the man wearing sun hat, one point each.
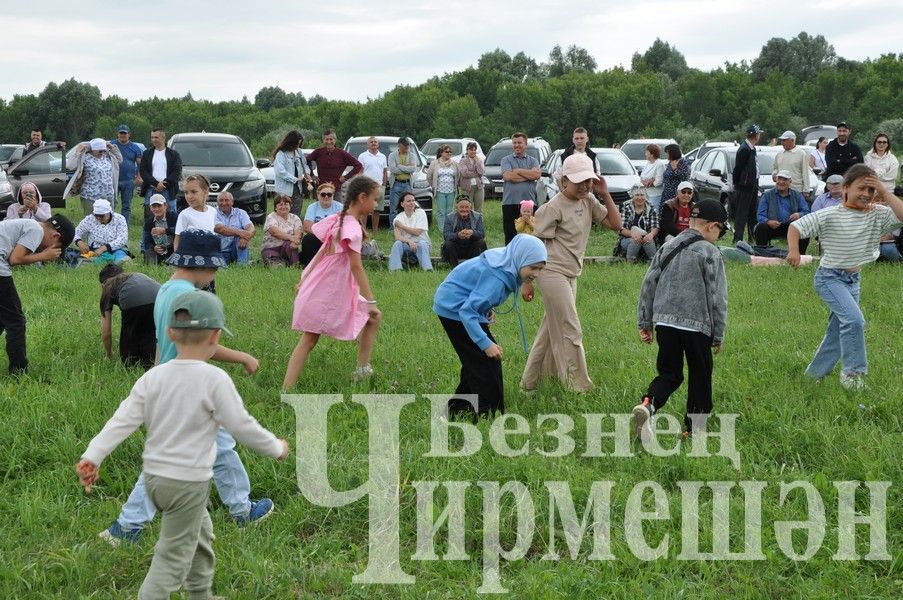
{"type": "Point", "coordinates": [128, 169]}
{"type": "Point", "coordinates": [795, 160]}
{"type": "Point", "coordinates": [778, 208]}
{"type": "Point", "coordinates": [25, 242]}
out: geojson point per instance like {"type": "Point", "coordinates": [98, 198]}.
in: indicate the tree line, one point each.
{"type": "Point", "coordinates": [791, 84]}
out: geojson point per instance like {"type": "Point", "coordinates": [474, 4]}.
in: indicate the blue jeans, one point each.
{"type": "Point", "coordinates": [889, 252]}
{"type": "Point", "coordinates": [145, 238]}
{"type": "Point", "coordinates": [443, 205]}
{"type": "Point", "coordinates": [233, 253]}
{"type": "Point", "coordinates": [845, 337]}
{"type": "Point", "coordinates": [401, 249]}
{"type": "Point", "coordinates": [395, 192]}
{"type": "Point", "coordinates": [632, 249]}
{"type": "Point", "coordinates": [229, 476]}
{"type": "Point", "coordinates": [117, 256]}
{"type": "Point", "coordinates": [126, 191]}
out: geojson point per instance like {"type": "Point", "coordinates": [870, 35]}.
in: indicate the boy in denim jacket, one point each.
{"type": "Point", "coordinates": [684, 294]}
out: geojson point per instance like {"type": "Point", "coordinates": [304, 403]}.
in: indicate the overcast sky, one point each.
{"type": "Point", "coordinates": [227, 49]}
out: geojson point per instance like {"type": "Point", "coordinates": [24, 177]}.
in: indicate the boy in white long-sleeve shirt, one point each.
{"type": "Point", "coordinates": [180, 447]}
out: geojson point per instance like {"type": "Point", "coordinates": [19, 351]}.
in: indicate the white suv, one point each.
{"type": "Point", "coordinates": [635, 149]}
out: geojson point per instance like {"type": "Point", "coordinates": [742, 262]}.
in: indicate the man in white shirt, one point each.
{"type": "Point", "coordinates": [235, 228]}
{"type": "Point", "coordinates": [160, 170]}
{"type": "Point", "coordinates": [376, 167]}
{"type": "Point", "coordinates": [795, 160]}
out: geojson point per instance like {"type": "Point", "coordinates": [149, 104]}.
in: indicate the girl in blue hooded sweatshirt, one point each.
{"type": "Point", "coordinates": [464, 303]}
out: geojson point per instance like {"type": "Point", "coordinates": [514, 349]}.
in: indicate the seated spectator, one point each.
{"type": "Point", "coordinates": [463, 234]}
{"type": "Point", "coordinates": [640, 226]}
{"type": "Point", "coordinates": [675, 215]}
{"type": "Point", "coordinates": [107, 234]}
{"type": "Point", "coordinates": [833, 195]}
{"type": "Point", "coordinates": [134, 294]}
{"type": "Point", "coordinates": [235, 229]}
{"type": "Point", "coordinates": [281, 234]}
{"type": "Point", "coordinates": [778, 208]}
{"type": "Point", "coordinates": [412, 236]}
{"type": "Point", "coordinates": [28, 204]}
{"type": "Point", "coordinates": [325, 206]}
{"type": "Point", "coordinates": [160, 228]}
{"type": "Point", "coordinates": [890, 245]}
{"type": "Point", "coordinates": [524, 223]}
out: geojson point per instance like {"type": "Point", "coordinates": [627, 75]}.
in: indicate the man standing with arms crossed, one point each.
{"type": "Point", "coordinates": [401, 165]}
{"type": "Point", "coordinates": [520, 172]}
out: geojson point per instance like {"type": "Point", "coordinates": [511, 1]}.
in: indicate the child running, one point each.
{"type": "Point", "coordinates": [850, 236]}
{"type": "Point", "coordinates": [334, 296]}
{"type": "Point", "coordinates": [180, 447]}
{"type": "Point", "coordinates": [684, 294]}
{"type": "Point", "coordinates": [464, 303]}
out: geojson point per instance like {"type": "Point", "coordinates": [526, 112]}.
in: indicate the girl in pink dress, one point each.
{"type": "Point", "coordinates": [334, 296]}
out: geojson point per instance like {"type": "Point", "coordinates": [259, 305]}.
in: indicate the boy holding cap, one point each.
{"type": "Point", "coordinates": [684, 295]}
{"type": "Point", "coordinates": [25, 242]}
{"type": "Point", "coordinates": [180, 447]}
{"type": "Point", "coordinates": [160, 230]}
{"type": "Point", "coordinates": [196, 262]}
{"type": "Point", "coordinates": [107, 232]}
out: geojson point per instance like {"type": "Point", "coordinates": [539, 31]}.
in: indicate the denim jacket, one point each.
{"type": "Point", "coordinates": [692, 291]}
{"type": "Point", "coordinates": [284, 166]}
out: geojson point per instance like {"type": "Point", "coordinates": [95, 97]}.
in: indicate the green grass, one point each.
{"type": "Point", "coordinates": [789, 429]}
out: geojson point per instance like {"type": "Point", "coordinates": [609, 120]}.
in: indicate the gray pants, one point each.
{"type": "Point", "coordinates": [632, 249]}
{"type": "Point", "coordinates": [184, 551]}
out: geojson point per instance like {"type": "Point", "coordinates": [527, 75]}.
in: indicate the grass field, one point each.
{"type": "Point", "coordinates": [788, 429]}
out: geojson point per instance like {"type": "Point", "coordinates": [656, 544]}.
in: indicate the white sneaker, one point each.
{"type": "Point", "coordinates": [642, 419]}
{"type": "Point", "coordinates": [362, 373]}
{"type": "Point", "coordinates": [853, 382]}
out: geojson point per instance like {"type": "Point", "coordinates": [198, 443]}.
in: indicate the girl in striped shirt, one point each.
{"type": "Point", "coordinates": [850, 235]}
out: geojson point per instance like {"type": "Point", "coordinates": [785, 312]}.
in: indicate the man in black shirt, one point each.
{"type": "Point", "coordinates": [841, 153]}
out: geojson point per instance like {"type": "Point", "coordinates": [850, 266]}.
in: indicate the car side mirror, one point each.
{"type": "Point", "coordinates": [715, 172]}
{"type": "Point", "coordinates": [19, 172]}
{"type": "Point", "coordinates": [262, 163]}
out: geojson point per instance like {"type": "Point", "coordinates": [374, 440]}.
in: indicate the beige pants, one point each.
{"type": "Point", "coordinates": [558, 348]}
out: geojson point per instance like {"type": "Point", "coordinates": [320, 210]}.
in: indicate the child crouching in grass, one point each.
{"type": "Point", "coordinates": [684, 294]}
{"type": "Point", "coordinates": [850, 236]}
{"type": "Point", "coordinates": [182, 404]}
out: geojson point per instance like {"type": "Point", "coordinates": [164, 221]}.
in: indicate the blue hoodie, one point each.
{"type": "Point", "coordinates": [477, 286]}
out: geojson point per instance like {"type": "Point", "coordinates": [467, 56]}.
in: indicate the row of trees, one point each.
{"type": "Point", "coordinates": [791, 84]}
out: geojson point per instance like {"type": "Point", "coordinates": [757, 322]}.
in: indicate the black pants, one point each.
{"type": "Point", "coordinates": [138, 336]}
{"type": "Point", "coordinates": [480, 374]}
{"type": "Point", "coordinates": [765, 234]}
{"type": "Point", "coordinates": [673, 344]}
{"type": "Point", "coordinates": [745, 205]}
{"type": "Point", "coordinates": [510, 213]}
{"type": "Point", "coordinates": [457, 250]}
{"type": "Point", "coordinates": [12, 320]}
{"type": "Point", "coordinates": [310, 245]}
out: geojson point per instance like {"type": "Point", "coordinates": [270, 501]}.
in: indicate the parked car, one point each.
{"type": "Point", "coordinates": [458, 146]}
{"type": "Point", "coordinates": [813, 132]}
{"type": "Point", "coordinates": [700, 151]}
{"type": "Point", "coordinates": [46, 168]}
{"type": "Point", "coordinates": [635, 149]}
{"type": "Point", "coordinates": [269, 172]}
{"type": "Point", "coordinates": [226, 161]}
{"type": "Point", "coordinates": [537, 147]}
{"type": "Point", "coordinates": [419, 183]}
{"type": "Point", "coordinates": [610, 162]}
{"type": "Point", "coordinates": [713, 174]}
{"type": "Point", "coordinates": [10, 153]}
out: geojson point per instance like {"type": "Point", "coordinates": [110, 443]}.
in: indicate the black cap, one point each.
{"type": "Point", "coordinates": [709, 210]}
{"type": "Point", "coordinates": [843, 124]}
{"type": "Point", "coordinates": [64, 227]}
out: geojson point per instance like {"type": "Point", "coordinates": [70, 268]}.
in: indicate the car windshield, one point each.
{"type": "Point", "coordinates": [355, 148]}
{"type": "Point", "coordinates": [614, 164]}
{"type": "Point", "coordinates": [635, 150]}
{"type": "Point", "coordinates": [495, 156]}
{"type": "Point", "coordinates": [430, 148]}
{"type": "Point", "coordinates": [765, 160]}
{"type": "Point", "coordinates": [213, 154]}
{"type": "Point", "coordinates": [6, 152]}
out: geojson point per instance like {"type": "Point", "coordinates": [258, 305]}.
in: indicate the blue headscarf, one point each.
{"type": "Point", "coordinates": [523, 250]}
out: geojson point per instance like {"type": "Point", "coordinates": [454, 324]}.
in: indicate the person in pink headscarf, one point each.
{"type": "Point", "coordinates": [28, 204]}
{"type": "Point", "coordinates": [524, 223]}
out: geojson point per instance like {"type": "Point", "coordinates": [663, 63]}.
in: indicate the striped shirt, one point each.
{"type": "Point", "coordinates": [849, 238]}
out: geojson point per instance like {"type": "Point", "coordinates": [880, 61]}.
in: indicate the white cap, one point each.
{"type": "Point", "coordinates": [785, 174]}
{"type": "Point", "coordinates": [98, 145]}
{"type": "Point", "coordinates": [157, 199]}
{"type": "Point", "coordinates": [102, 207]}
{"type": "Point", "coordinates": [787, 135]}
{"type": "Point", "coordinates": [578, 168]}
{"type": "Point", "coordinates": [685, 185]}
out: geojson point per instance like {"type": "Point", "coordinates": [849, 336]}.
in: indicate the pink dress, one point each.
{"type": "Point", "coordinates": [329, 300]}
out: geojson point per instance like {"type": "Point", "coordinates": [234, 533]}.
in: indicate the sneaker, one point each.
{"type": "Point", "coordinates": [745, 247]}
{"type": "Point", "coordinates": [260, 510]}
{"type": "Point", "coordinates": [853, 382]}
{"type": "Point", "coordinates": [642, 419]}
{"type": "Point", "coordinates": [115, 534]}
{"type": "Point", "coordinates": [362, 373]}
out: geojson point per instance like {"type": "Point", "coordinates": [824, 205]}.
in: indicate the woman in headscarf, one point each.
{"type": "Point", "coordinates": [96, 173]}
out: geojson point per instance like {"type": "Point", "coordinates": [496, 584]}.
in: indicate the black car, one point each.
{"type": "Point", "coordinates": [10, 153]}
{"type": "Point", "coordinates": [226, 162]}
{"type": "Point", "coordinates": [45, 167]}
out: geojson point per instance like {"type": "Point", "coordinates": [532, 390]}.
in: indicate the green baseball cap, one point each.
{"type": "Point", "coordinates": [205, 311]}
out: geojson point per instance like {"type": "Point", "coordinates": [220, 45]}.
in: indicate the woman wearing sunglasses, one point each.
{"type": "Point", "coordinates": [325, 206]}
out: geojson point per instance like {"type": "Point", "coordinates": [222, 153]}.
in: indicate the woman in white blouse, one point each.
{"type": "Point", "coordinates": [651, 175]}
{"type": "Point", "coordinates": [411, 235]}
